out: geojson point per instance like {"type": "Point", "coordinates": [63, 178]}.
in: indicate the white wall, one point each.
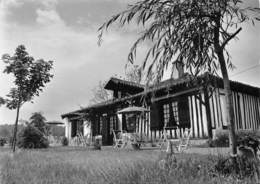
{"type": "Point", "coordinates": [87, 128]}
{"type": "Point", "coordinates": [67, 128]}
{"type": "Point", "coordinates": [119, 121]}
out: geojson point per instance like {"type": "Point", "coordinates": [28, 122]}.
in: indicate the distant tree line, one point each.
{"type": "Point", "coordinates": [35, 126]}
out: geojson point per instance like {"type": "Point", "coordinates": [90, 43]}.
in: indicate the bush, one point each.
{"type": "Point", "coordinates": [221, 140]}
{"type": "Point", "coordinates": [64, 141]}
{"type": "Point", "coordinates": [31, 137]}
{"type": "Point", "coordinates": [255, 134]}
{"type": "Point", "coordinates": [3, 141]}
{"type": "Point", "coordinates": [244, 137]}
{"type": "Point", "coordinates": [242, 168]}
{"type": "Point", "coordinates": [249, 139]}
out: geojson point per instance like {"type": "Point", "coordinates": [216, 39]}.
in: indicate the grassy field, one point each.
{"type": "Point", "coordinates": [68, 165]}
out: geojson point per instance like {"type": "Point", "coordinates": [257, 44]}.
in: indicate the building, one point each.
{"type": "Point", "coordinates": [196, 103]}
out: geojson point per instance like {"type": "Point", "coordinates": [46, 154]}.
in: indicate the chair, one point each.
{"type": "Point", "coordinates": [82, 140]}
{"type": "Point", "coordinates": [180, 144]}
{"type": "Point", "coordinates": [164, 136]}
{"type": "Point", "coordinates": [118, 139]}
{"type": "Point", "coordinates": [184, 140]}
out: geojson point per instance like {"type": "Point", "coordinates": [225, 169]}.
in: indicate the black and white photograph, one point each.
{"type": "Point", "coordinates": [129, 91]}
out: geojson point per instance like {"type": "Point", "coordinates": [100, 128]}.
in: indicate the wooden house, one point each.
{"type": "Point", "coordinates": [196, 103]}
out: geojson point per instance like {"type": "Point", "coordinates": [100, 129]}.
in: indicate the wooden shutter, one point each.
{"type": "Point", "coordinates": [124, 127]}
{"type": "Point", "coordinates": [156, 117]}
{"type": "Point", "coordinates": [184, 113]}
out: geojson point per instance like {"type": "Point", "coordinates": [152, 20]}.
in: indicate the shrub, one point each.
{"type": "Point", "coordinates": [249, 139]}
{"type": "Point", "coordinates": [64, 141]}
{"type": "Point", "coordinates": [221, 140]}
{"type": "Point", "coordinates": [242, 168]}
{"type": "Point", "coordinates": [244, 137]}
{"type": "Point", "coordinates": [31, 137]}
{"type": "Point", "coordinates": [2, 141]}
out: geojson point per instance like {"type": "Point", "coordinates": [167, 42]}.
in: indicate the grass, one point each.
{"type": "Point", "coordinates": [67, 165]}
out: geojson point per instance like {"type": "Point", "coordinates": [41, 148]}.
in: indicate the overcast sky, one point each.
{"type": "Point", "coordinates": [65, 31]}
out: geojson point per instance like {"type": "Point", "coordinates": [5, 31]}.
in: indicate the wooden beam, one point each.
{"type": "Point", "coordinates": [201, 116]}
{"type": "Point", "coordinates": [176, 94]}
{"type": "Point", "coordinates": [208, 114]}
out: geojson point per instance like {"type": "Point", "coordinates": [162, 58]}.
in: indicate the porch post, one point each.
{"type": "Point", "coordinates": [86, 127]}
{"type": "Point", "coordinates": [120, 126]}
{"type": "Point", "coordinates": [207, 106]}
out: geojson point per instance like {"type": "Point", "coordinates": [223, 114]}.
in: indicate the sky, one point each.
{"type": "Point", "coordinates": [65, 31]}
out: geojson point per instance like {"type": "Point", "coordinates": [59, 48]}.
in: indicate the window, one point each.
{"type": "Point", "coordinates": [119, 94]}
{"type": "Point", "coordinates": [175, 112]}
{"type": "Point", "coordinates": [112, 124]}
{"type": "Point", "coordinates": [100, 127]}
{"type": "Point", "coordinates": [166, 114]}
{"type": "Point", "coordinates": [183, 120]}
{"type": "Point", "coordinates": [170, 114]}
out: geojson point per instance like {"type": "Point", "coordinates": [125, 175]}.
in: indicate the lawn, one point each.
{"type": "Point", "coordinates": [70, 165]}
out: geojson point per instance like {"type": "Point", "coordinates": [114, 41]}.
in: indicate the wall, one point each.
{"type": "Point", "coordinates": [67, 128]}
{"type": "Point", "coordinates": [246, 110]}
{"type": "Point", "coordinates": [198, 121]}
{"type": "Point", "coordinates": [87, 128]}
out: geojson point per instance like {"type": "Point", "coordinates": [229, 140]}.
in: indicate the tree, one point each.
{"type": "Point", "coordinates": [193, 33]}
{"type": "Point", "coordinates": [30, 79]}
{"type": "Point", "coordinates": [31, 137]}
{"type": "Point", "coordinates": [2, 101]}
{"type": "Point", "coordinates": [38, 121]}
{"type": "Point", "coordinates": [100, 94]}
{"type": "Point", "coordinates": [134, 74]}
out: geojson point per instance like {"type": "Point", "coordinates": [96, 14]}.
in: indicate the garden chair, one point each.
{"type": "Point", "coordinates": [118, 139]}
{"type": "Point", "coordinates": [164, 139]}
{"type": "Point", "coordinates": [184, 140]}
{"type": "Point", "coordinates": [82, 139]}
{"type": "Point", "coordinates": [180, 144]}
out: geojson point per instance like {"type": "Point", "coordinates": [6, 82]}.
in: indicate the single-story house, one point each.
{"type": "Point", "coordinates": [187, 102]}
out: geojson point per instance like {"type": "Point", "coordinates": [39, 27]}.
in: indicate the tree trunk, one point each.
{"type": "Point", "coordinates": [229, 104]}
{"type": "Point", "coordinates": [15, 127]}
{"type": "Point", "coordinates": [228, 94]}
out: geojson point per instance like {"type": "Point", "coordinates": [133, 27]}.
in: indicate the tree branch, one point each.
{"type": "Point", "coordinates": [231, 37]}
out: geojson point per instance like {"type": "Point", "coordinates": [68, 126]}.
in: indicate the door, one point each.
{"type": "Point", "coordinates": [107, 137]}
{"type": "Point", "coordinates": [184, 114]}
{"type": "Point", "coordinates": [73, 129]}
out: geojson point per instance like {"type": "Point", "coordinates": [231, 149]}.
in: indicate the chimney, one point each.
{"type": "Point", "coordinates": [180, 69]}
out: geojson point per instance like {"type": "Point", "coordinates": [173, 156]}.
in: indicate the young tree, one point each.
{"type": "Point", "coordinates": [30, 79]}
{"type": "Point", "coordinates": [193, 33]}
{"type": "Point", "coordinates": [39, 121]}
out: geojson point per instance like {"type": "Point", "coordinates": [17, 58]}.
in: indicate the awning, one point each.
{"type": "Point", "coordinates": [133, 109]}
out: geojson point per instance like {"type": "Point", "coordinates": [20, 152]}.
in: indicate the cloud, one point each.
{"type": "Point", "coordinates": [66, 31]}
{"type": "Point", "coordinates": [78, 61]}
{"type": "Point", "coordinates": [49, 4]}
{"type": "Point", "coordinates": [48, 17]}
